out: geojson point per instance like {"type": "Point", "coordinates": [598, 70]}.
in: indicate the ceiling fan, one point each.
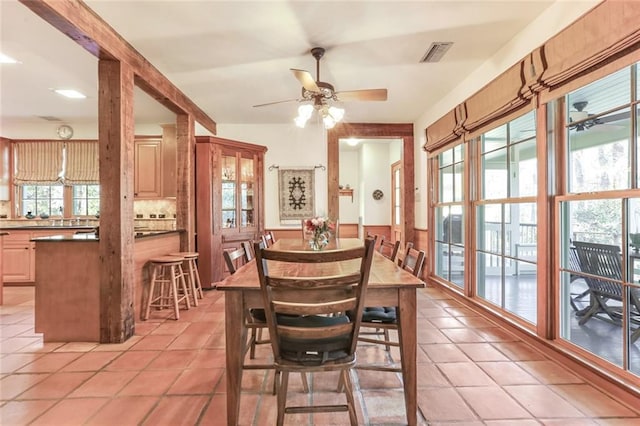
{"type": "Point", "coordinates": [580, 120]}
{"type": "Point", "coordinates": [581, 117]}
{"type": "Point", "coordinates": [318, 95]}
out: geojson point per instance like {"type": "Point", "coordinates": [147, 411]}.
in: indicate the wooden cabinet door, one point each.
{"type": "Point", "coordinates": [5, 185]}
{"type": "Point", "coordinates": [147, 169]}
{"type": "Point", "coordinates": [18, 263]}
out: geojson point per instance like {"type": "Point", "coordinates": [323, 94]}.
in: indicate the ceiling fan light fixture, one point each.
{"type": "Point", "coordinates": [300, 121]}
{"type": "Point", "coordinates": [304, 114]}
{"type": "Point", "coordinates": [305, 111]}
{"type": "Point", "coordinates": [336, 113]}
{"type": "Point", "coordinates": [328, 121]}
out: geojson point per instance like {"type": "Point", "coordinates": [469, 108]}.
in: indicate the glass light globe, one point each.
{"type": "Point", "coordinates": [336, 113]}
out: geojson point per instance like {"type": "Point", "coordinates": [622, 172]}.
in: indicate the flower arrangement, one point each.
{"type": "Point", "coordinates": [319, 227]}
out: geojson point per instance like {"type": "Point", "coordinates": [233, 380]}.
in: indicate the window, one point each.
{"type": "Point", "coordinates": [86, 200]}
{"type": "Point", "coordinates": [600, 210]}
{"type": "Point", "coordinates": [598, 117]}
{"type": "Point", "coordinates": [449, 210]}
{"type": "Point", "coordinates": [506, 218]}
{"type": "Point", "coordinates": [57, 179]}
{"type": "Point", "coordinates": [41, 200]}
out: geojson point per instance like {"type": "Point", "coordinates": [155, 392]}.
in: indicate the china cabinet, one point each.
{"type": "Point", "coordinates": [229, 200]}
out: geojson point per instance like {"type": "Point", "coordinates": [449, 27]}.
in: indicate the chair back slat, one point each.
{"type": "Point", "coordinates": [314, 282]}
{"type": "Point", "coordinates": [313, 300]}
{"type": "Point", "coordinates": [248, 249]}
{"type": "Point", "coordinates": [319, 333]}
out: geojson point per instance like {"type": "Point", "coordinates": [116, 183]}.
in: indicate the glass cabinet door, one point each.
{"type": "Point", "coordinates": [247, 185]}
{"type": "Point", "coordinates": [228, 191]}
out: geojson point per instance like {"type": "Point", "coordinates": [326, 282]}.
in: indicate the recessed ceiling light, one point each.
{"type": "Point", "coordinates": [353, 141]}
{"type": "Point", "coordinates": [70, 93]}
{"type": "Point", "coordinates": [4, 59]}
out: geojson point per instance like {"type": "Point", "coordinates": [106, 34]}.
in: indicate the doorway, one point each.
{"type": "Point", "coordinates": [373, 131]}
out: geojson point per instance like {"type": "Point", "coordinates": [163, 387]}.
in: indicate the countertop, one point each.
{"type": "Point", "coordinates": [47, 227]}
{"type": "Point", "coordinates": [93, 237]}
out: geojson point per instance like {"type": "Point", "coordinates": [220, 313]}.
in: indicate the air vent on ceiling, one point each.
{"type": "Point", "coordinates": [49, 117]}
{"type": "Point", "coordinates": [436, 51]}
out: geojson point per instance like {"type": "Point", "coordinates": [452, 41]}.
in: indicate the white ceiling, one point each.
{"type": "Point", "coordinates": [229, 55]}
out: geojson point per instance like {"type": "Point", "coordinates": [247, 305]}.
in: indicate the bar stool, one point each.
{"type": "Point", "coordinates": [166, 273]}
{"type": "Point", "coordinates": [191, 274]}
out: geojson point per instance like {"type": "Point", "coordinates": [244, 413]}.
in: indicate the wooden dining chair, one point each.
{"type": "Point", "coordinates": [378, 320]}
{"type": "Point", "coordinates": [254, 318]}
{"type": "Point", "coordinates": [314, 317]}
{"type": "Point", "coordinates": [389, 249]}
{"type": "Point", "coordinates": [401, 253]}
{"type": "Point", "coordinates": [268, 238]}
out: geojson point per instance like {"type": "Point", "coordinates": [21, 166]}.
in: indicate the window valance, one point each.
{"type": "Point", "coordinates": [446, 130]}
{"type": "Point", "coordinates": [38, 162]}
{"type": "Point", "coordinates": [606, 33]}
{"type": "Point", "coordinates": [81, 163]}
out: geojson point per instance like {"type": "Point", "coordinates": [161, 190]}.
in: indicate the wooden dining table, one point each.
{"type": "Point", "coordinates": [389, 285]}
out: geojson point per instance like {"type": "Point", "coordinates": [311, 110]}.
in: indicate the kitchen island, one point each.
{"type": "Point", "coordinates": [19, 254]}
{"type": "Point", "coordinates": [67, 294]}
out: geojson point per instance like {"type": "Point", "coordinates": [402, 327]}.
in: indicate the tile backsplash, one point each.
{"type": "Point", "coordinates": [148, 208]}
{"type": "Point", "coordinates": [148, 214]}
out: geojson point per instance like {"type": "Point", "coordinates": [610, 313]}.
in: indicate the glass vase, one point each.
{"type": "Point", "coordinates": [318, 241]}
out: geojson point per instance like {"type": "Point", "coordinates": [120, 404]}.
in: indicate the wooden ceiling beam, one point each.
{"type": "Point", "coordinates": [75, 19]}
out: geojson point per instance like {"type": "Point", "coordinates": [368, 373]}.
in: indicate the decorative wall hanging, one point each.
{"type": "Point", "coordinates": [296, 193]}
{"type": "Point", "coordinates": [377, 194]}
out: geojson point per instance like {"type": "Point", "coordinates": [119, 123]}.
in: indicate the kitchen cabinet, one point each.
{"type": "Point", "coordinates": [229, 197]}
{"type": "Point", "coordinates": [147, 168]}
{"type": "Point", "coordinates": [4, 169]}
{"type": "Point", "coordinates": [19, 254]}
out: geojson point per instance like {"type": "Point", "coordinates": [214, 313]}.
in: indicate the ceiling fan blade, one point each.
{"type": "Point", "coordinates": [277, 102]}
{"type": "Point", "coordinates": [363, 95]}
{"type": "Point", "coordinates": [305, 78]}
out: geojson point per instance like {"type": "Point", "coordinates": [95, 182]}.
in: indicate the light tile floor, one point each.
{"type": "Point", "coordinates": [172, 373]}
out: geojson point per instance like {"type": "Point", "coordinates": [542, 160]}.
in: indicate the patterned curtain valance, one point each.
{"type": "Point", "coordinates": [81, 163]}
{"type": "Point", "coordinates": [38, 162]}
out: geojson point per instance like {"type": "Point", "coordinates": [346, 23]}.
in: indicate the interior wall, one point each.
{"type": "Point", "coordinates": [375, 166]}
{"type": "Point", "coordinates": [350, 174]}
{"type": "Point", "coordinates": [289, 147]}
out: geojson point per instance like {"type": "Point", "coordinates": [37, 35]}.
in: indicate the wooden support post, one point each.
{"type": "Point", "coordinates": [185, 189]}
{"type": "Point", "coordinates": [116, 139]}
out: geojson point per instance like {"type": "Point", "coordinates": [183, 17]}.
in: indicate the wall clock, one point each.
{"type": "Point", "coordinates": [377, 194]}
{"type": "Point", "coordinates": [65, 131]}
